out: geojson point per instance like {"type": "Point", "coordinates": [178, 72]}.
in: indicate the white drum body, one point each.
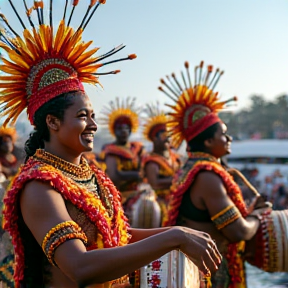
{"type": "Point", "coordinates": [173, 270]}
{"type": "Point", "coordinates": [146, 212]}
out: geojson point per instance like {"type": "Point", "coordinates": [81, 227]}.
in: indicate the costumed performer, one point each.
{"type": "Point", "coordinates": [10, 158]}
{"type": "Point", "coordinates": [204, 195]}
{"type": "Point", "coordinates": [162, 162]}
{"type": "Point", "coordinates": [64, 216]}
{"type": "Point", "coordinates": [123, 157]}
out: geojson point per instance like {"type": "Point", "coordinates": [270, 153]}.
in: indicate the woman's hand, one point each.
{"type": "Point", "coordinates": [258, 203]}
{"type": "Point", "coordinates": [200, 249]}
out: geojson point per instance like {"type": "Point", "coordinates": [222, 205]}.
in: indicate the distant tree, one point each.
{"type": "Point", "coordinates": [269, 119]}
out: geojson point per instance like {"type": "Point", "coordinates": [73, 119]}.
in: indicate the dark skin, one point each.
{"type": "Point", "coordinates": [208, 193]}
{"type": "Point", "coordinates": [6, 151]}
{"type": "Point", "coordinates": [122, 134]}
{"type": "Point", "coordinates": [160, 147]}
{"type": "Point", "coordinates": [43, 208]}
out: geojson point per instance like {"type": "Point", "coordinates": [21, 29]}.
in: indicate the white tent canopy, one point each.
{"type": "Point", "coordinates": [273, 148]}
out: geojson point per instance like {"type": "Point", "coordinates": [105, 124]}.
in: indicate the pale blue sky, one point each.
{"type": "Point", "coordinates": [246, 38]}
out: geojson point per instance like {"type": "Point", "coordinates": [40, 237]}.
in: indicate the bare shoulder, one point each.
{"type": "Point", "coordinates": [36, 193]}
{"type": "Point", "coordinates": [42, 207]}
{"type": "Point", "coordinates": [208, 178]}
{"type": "Point", "coordinates": [211, 183]}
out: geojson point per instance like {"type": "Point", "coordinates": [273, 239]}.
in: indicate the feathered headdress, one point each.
{"type": "Point", "coordinates": [8, 131]}
{"type": "Point", "coordinates": [42, 64]}
{"type": "Point", "coordinates": [196, 106]}
{"type": "Point", "coordinates": [121, 112]}
{"type": "Point", "coordinates": [156, 121]}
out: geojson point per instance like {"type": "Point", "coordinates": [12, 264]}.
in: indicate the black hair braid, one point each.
{"type": "Point", "coordinates": [197, 144]}
{"type": "Point", "coordinates": [55, 107]}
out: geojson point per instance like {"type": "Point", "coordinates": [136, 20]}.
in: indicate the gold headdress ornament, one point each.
{"type": "Point", "coordinates": [8, 131]}
{"type": "Point", "coordinates": [196, 106]}
{"type": "Point", "coordinates": [123, 111]}
{"type": "Point", "coordinates": [42, 64]}
{"type": "Point", "coordinates": [156, 121]}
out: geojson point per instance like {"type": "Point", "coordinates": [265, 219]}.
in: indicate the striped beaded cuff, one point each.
{"type": "Point", "coordinates": [59, 234]}
{"type": "Point", "coordinates": [226, 216]}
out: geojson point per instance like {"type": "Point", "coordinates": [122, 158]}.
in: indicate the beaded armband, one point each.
{"type": "Point", "coordinates": [59, 234]}
{"type": "Point", "coordinates": [226, 216]}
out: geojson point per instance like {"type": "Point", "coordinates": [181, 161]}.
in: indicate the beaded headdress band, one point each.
{"type": "Point", "coordinates": [121, 112]}
{"type": "Point", "coordinates": [42, 64]}
{"type": "Point", "coordinates": [196, 106]}
{"type": "Point", "coordinates": [156, 121]}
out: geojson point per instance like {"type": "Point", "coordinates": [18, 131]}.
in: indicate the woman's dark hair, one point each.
{"type": "Point", "coordinates": [55, 107]}
{"type": "Point", "coordinates": [36, 263]}
{"type": "Point", "coordinates": [197, 143]}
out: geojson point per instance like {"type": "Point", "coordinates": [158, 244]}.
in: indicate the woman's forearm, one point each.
{"type": "Point", "coordinates": [161, 183]}
{"type": "Point", "coordinates": [100, 266]}
{"type": "Point", "coordinates": [128, 175]}
{"type": "Point", "coordinates": [140, 234]}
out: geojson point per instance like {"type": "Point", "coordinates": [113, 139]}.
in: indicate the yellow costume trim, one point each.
{"type": "Point", "coordinates": [58, 235]}
{"type": "Point", "coordinates": [226, 216]}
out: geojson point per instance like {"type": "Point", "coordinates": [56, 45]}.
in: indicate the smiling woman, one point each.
{"type": "Point", "coordinates": [65, 216]}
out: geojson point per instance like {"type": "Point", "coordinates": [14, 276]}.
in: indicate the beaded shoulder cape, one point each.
{"type": "Point", "coordinates": [112, 229]}
{"type": "Point", "coordinates": [166, 168]}
{"type": "Point", "coordinates": [123, 152]}
{"type": "Point", "coordinates": [184, 178]}
{"type": "Point", "coordinates": [186, 175]}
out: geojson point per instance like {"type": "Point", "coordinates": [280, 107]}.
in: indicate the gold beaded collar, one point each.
{"type": "Point", "coordinates": [81, 172]}
{"type": "Point", "coordinates": [203, 155]}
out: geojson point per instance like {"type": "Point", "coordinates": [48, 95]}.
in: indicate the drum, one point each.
{"type": "Point", "coordinates": [268, 250]}
{"type": "Point", "coordinates": [146, 212]}
{"type": "Point", "coordinates": [173, 270]}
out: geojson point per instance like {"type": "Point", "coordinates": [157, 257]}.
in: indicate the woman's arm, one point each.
{"type": "Point", "coordinates": [152, 173]}
{"type": "Point", "coordinates": [140, 234]}
{"type": "Point", "coordinates": [117, 176]}
{"type": "Point", "coordinates": [43, 208]}
{"type": "Point", "coordinates": [214, 198]}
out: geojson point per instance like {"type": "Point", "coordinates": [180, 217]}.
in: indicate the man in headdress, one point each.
{"type": "Point", "coordinates": [122, 157]}
{"type": "Point", "coordinates": [162, 162]}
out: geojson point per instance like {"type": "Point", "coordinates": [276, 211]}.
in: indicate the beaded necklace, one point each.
{"type": "Point", "coordinates": [112, 229]}
{"type": "Point", "coordinates": [82, 174]}
{"type": "Point", "coordinates": [200, 155]}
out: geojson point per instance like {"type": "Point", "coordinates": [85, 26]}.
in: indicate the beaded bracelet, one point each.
{"type": "Point", "coordinates": [59, 234]}
{"type": "Point", "coordinates": [226, 216]}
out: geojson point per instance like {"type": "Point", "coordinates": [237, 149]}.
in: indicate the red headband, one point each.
{"type": "Point", "coordinates": [200, 125]}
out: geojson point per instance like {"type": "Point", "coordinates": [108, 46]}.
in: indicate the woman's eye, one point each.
{"type": "Point", "coordinates": [82, 115]}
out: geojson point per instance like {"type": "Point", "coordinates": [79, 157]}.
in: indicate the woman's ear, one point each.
{"type": "Point", "coordinates": [52, 122]}
{"type": "Point", "coordinates": [208, 142]}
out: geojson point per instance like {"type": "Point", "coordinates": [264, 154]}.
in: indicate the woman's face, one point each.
{"type": "Point", "coordinates": [78, 128]}
{"type": "Point", "coordinates": [122, 132]}
{"type": "Point", "coordinates": [6, 144]}
{"type": "Point", "coordinates": [219, 145]}
{"type": "Point", "coordinates": [161, 140]}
